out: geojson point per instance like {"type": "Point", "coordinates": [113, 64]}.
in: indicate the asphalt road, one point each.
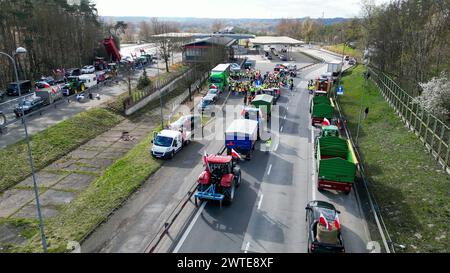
{"type": "Point", "coordinates": [268, 213]}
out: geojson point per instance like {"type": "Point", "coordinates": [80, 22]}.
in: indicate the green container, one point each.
{"type": "Point", "coordinates": [321, 100]}
{"type": "Point", "coordinates": [336, 160]}
{"type": "Point", "coordinates": [263, 100]}
{"type": "Point", "coordinates": [323, 110]}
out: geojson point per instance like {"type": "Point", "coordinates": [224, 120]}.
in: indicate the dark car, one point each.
{"type": "Point", "coordinates": [50, 80]}
{"type": "Point", "coordinates": [324, 231]}
{"type": "Point", "coordinates": [2, 95]}
{"type": "Point", "coordinates": [352, 62]}
{"type": "Point", "coordinates": [28, 105]}
{"type": "Point", "coordinates": [13, 88]}
{"type": "Point", "coordinates": [283, 58]}
{"type": "Point", "coordinates": [73, 72]}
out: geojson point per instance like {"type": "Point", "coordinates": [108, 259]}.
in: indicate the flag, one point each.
{"type": "Point", "coordinates": [337, 223]}
{"type": "Point", "coordinates": [323, 221]}
{"type": "Point", "coordinates": [205, 160]}
{"type": "Point", "coordinates": [326, 122]}
{"type": "Point", "coordinates": [235, 154]}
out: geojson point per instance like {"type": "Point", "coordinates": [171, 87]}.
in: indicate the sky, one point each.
{"type": "Point", "coordinates": [232, 8]}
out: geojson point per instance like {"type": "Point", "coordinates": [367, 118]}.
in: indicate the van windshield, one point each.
{"type": "Point", "coordinates": [163, 141]}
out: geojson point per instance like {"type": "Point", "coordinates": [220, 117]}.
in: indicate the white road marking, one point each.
{"type": "Point", "coordinates": [285, 116]}
{"type": "Point", "coordinates": [191, 225]}
{"type": "Point", "coordinates": [313, 176]}
{"type": "Point", "coordinates": [270, 169]}
{"type": "Point", "coordinates": [260, 201]}
{"type": "Point", "coordinates": [247, 246]}
{"type": "Point", "coordinates": [281, 129]}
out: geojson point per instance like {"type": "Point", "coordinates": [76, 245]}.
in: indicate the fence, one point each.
{"type": "Point", "coordinates": [433, 132]}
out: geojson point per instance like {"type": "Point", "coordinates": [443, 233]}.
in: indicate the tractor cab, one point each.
{"type": "Point", "coordinates": [331, 130]}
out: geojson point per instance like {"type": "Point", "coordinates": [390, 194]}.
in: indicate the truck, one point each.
{"type": "Point", "coordinates": [265, 103]}
{"type": "Point", "coordinates": [220, 77]}
{"type": "Point", "coordinates": [336, 164]}
{"type": "Point", "coordinates": [241, 136]}
{"type": "Point", "coordinates": [167, 143]}
{"type": "Point", "coordinates": [323, 86]}
{"type": "Point", "coordinates": [49, 94]}
{"type": "Point", "coordinates": [321, 108]}
{"type": "Point", "coordinates": [335, 69]}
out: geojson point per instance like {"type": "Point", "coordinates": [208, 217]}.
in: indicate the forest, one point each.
{"type": "Point", "coordinates": [55, 34]}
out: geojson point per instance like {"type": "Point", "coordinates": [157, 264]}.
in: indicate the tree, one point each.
{"type": "Point", "coordinates": [435, 97]}
{"type": "Point", "coordinates": [217, 26]}
{"type": "Point", "coordinates": [165, 44]}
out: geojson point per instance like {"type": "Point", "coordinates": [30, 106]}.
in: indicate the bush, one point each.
{"type": "Point", "coordinates": [144, 81]}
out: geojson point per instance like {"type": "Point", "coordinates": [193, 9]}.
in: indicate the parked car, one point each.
{"type": "Point", "coordinates": [73, 72]}
{"type": "Point", "coordinates": [324, 228]}
{"type": "Point", "coordinates": [352, 62]}
{"type": "Point", "coordinates": [235, 67]}
{"type": "Point", "coordinates": [13, 88]}
{"type": "Point", "coordinates": [283, 58]}
{"type": "Point", "coordinates": [50, 80]}
{"type": "Point", "coordinates": [214, 93]}
{"type": "Point", "coordinates": [2, 95]}
{"type": "Point", "coordinates": [88, 69]}
{"type": "Point", "coordinates": [206, 104]}
{"type": "Point", "coordinates": [347, 58]}
{"type": "Point", "coordinates": [28, 105]}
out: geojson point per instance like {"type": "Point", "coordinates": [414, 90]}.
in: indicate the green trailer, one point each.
{"type": "Point", "coordinates": [220, 77]}
{"type": "Point", "coordinates": [264, 100]}
{"type": "Point", "coordinates": [336, 163]}
{"type": "Point", "coordinates": [321, 108]}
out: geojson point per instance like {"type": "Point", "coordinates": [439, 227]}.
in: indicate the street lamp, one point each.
{"type": "Point", "coordinates": [21, 50]}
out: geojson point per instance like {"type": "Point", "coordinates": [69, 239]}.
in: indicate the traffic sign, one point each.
{"type": "Point", "coordinates": [340, 90]}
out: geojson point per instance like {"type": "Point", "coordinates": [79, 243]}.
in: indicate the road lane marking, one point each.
{"type": "Point", "coordinates": [247, 246]}
{"type": "Point", "coordinates": [191, 225]}
{"type": "Point", "coordinates": [313, 176]}
{"type": "Point", "coordinates": [270, 169]}
{"type": "Point", "coordinates": [281, 129]}
{"type": "Point", "coordinates": [285, 116]}
{"type": "Point", "coordinates": [260, 201]}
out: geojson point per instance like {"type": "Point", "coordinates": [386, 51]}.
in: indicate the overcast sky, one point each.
{"type": "Point", "coordinates": [232, 8]}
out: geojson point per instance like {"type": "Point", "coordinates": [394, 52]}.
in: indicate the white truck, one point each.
{"type": "Point", "coordinates": [170, 141]}
{"type": "Point", "coordinates": [335, 69]}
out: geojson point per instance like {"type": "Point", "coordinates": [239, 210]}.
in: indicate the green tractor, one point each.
{"type": "Point", "coordinates": [73, 86]}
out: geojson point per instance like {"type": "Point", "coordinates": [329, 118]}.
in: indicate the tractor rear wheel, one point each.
{"type": "Point", "coordinates": [229, 194]}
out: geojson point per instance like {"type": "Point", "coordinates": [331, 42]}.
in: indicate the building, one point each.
{"type": "Point", "coordinates": [206, 49]}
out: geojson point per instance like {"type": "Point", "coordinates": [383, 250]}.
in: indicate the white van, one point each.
{"type": "Point", "coordinates": [89, 80]}
{"type": "Point", "coordinates": [166, 144]}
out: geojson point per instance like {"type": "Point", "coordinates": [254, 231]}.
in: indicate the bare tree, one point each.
{"type": "Point", "coordinates": [164, 43]}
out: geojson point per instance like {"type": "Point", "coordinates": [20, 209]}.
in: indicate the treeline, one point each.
{"type": "Point", "coordinates": [56, 35]}
{"type": "Point", "coordinates": [410, 40]}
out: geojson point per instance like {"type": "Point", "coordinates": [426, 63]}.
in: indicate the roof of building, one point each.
{"type": "Point", "coordinates": [225, 41]}
{"type": "Point", "coordinates": [275, 40]}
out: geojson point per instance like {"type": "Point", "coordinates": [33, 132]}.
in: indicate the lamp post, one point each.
{"type": "Point", "coordinates": [21, 50]}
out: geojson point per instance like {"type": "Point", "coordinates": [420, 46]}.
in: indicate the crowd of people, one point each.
{"type": "Point", "coordinates": [251, 82]}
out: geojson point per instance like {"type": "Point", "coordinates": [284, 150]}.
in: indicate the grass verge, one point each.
{"type": "Point", "coordinates": [412, 190]}
{"type": "Point", "coordinates": [53, 143]}
{"type": "Point", "coordinates": [348, 50]}
{"type": "Point", "coordinates": [95, 204]}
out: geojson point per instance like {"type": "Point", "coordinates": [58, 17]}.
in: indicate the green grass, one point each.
{"type": "Point", "coordinates": [348, 50]}
{"type": "Point", "coordinates": [412, 190]}
{"type": "Point", "coordinates": [53, 143]}
{"type": "Point", "coordinates": [94, 205]}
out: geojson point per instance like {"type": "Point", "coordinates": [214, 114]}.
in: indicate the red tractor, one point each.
{"type": "Point", "coordinates": [219, 180]}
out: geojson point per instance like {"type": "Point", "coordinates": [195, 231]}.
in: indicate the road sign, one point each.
{"type": "Point", "coordinates": [340, 90]}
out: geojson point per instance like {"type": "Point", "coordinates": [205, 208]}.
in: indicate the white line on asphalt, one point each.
{"type": "Point", "coordinates": [285, 116]}
{"type": "Point", "coordinates": [270, 168]}
{"type": "Point", "coordinates": [281, 129]}
{"type": "Point", "coordinates": [247, 246]}
{"type": "Point", "coordinates": [191, 225]}
{"type": "Point", "coordinates": [260, 201]}
{"type": "Point", "coordinates": [313, 176]}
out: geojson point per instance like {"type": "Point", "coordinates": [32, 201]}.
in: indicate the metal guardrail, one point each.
{"type": "Point", "coordinates": [433, 132]}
